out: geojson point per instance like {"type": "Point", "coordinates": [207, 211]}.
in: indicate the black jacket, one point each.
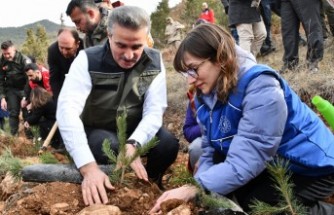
{"type": "Point", "coordinates": [47, 112]}
{"type": "Point", "coordinates": [59, 67]}
{"type": "Point", "coordinates": [241, 12]}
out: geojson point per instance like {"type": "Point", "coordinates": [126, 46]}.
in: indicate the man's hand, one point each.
{"type": "Point", "coordinates": [184, 193]}
{"type": "Point", "coordinates": [3, 104]}
{"type": "Point", "coordinates": [136, 165]}
{"type": "Point", "coordinates": [94, 184]}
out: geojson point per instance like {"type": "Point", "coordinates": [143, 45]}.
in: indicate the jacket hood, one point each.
{"type": "Point", "coordinates": [246, 60]}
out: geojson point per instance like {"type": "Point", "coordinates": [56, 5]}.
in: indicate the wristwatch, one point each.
{"type": "Point", "coordinates": [134, 143]}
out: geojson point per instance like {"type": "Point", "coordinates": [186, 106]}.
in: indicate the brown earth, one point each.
{"type": "Point", "coordinates": [136, 197]}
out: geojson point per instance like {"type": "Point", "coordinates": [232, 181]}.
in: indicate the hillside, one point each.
{"type": "Point", "coordinates": [18, 34]}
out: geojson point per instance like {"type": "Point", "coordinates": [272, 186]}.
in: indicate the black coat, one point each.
{"type": "Point", "coordinates": [59, 67]}
{"type": "Point", "coordinates": [47, 113]}
{"type": "Point", "coordinates": [241, 12]}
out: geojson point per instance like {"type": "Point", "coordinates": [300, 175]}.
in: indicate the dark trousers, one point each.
{"type": "Point", "coordinates": [266, 16]}
{"type": "Point", "coordinates": [45, 127]}
{"type": "Point", "coordinates": [308, 13]}
{"type": "Point", "coordinates": [310, 191]}
{"type": "Point", "coordinates": [159, 158]}
{"type": "Point", "coordinates": [13, 98]}
{"type": "Point", "coordinates": [327, 10]}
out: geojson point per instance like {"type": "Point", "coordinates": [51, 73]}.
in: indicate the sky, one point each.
{"type": "Point", "coordinates": [16, 13]}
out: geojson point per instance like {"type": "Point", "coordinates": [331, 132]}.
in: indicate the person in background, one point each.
{"type": "Point", "coordinates": [307, 12]}
{"type": "Point", "coordinates": [42, 113]}
{"type": "Point", "coordinates": [60, 57]}
{"type": "Point", "coordinates": [233, 28]}
{"type": "Point", "coordinates": [192, 131]}
{"type": "Point", "coordinates": [104, 3]}
{"type": "Point", "coordinates": [250, 27]}
{"type": "Point", "coordinates": [90, 20]}
{"type": "Point", "coordinates": [38, 76]}
{"type": "Point", "coordinates": [266, 6]}
{"type": "Point", "coordinates": [104, 81]}
{"type": "Point", "coordinates": [250, 117]}
{"type": "Point", "coordinates": [12, 82]}
{"type": "Point", "coordinates": [207, 14]}
{"type": "Point", "coordinates": [327, 11]}
{"type": "Point", "coordinates": [173, 32]}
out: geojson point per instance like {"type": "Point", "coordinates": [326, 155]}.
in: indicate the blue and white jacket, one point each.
{"type": "Point", "coordinates": [263, 118]}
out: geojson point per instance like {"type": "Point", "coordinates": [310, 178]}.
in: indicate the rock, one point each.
{"type": "Point", "coordinates": [170, 126]}
{"type": "Point", "coordinates": [9, 185]}
{"type": "Point", "coordinates": [182, 209]}
{"type": "Point", "coordinates": [59, 208]}
{"type": "Point", "coordinates": [100, 210]}
{"type": "Point", "coordinates": [2, 206]}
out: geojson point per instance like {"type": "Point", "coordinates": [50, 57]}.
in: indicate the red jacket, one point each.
{"type": "Point", "coordinates": [45, 80]}
{"type": "Point", "coordinates": [208, 15]}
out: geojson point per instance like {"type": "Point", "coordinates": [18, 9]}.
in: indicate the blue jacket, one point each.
{"type": "Point", "coordinates": [263, 118]}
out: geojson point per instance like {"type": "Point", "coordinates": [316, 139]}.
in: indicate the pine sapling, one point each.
{"type": "Point", "coordinates": [11, 164]}
{"type": "Point", "coordinates": [209, 201]}
{"type": "Point", "coordinates": [288, 204]}
{"type": "Point", "coordinates": [122, 160]}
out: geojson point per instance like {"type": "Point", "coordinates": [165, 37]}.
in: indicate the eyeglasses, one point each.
{"type": "Point", "coordinates": [192, 71]}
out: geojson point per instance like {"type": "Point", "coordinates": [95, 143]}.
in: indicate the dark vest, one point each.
{"type": "Point", "coordinates": [115, 89]}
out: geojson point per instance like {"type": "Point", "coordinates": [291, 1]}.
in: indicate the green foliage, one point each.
{"type": "Point", "coordinates": [288, 203]}
{"type": "Point", "coordinates": [48, 158]}
{"type": "Point", "coordinates": [214, 201]}
{"type": "Point", "coordinates": [122, 160]}
{"type": "Point", "coordinates": [159, 22]}
{"type": "Point", "coordinates": [6, 128]}
{"type": "Point", "coordinates": [188, 18]}
{"type": "Point", "coordinates": [36, 44]}
{"type": "Point", "coordinates": [183, 176]}
{"type": "Point", "coordinates": [36, 136]}
{"type": "Point", "coordinates": [8, 163]}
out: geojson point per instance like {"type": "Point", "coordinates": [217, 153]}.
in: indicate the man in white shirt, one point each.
{"type": "Point", "coordinates": [123, 74]}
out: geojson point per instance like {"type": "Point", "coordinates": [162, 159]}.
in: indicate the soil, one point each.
{"type": "Point", "coordinates": [136, 197]}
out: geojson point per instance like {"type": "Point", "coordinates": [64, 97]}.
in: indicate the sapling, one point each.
{"type": "Point", "coordinates": [288, 204]}
{"type": "Point", "coordinates": [48, 158]}
{"type": "Point", "coordinates": [36, 136]}
{"type": "Point", "coordinates": [11, 164]}
{"type": "Point", "coordinates": [208, 201]}
{"type": "Point", "coordinates": [122, 160]}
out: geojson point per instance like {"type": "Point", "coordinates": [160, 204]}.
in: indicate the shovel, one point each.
{"type": "Point", "coordinates": [48, 139]}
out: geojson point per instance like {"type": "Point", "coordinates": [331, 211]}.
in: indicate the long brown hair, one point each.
{"type": "Point", "coordinates": [39, 97]}
{"type": "Point", "coordinates": [210, 41]}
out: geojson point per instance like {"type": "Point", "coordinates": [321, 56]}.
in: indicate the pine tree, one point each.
{"type": "Point", "coordinates": [288, 204]}
{"type": "Point", "coordinates": [36, 44]}
{"type": "Point", "coordinates": [159, 23]}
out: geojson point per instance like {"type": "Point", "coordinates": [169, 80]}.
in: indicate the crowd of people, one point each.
{"type": "Point", "coordinates": [89, 82]}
